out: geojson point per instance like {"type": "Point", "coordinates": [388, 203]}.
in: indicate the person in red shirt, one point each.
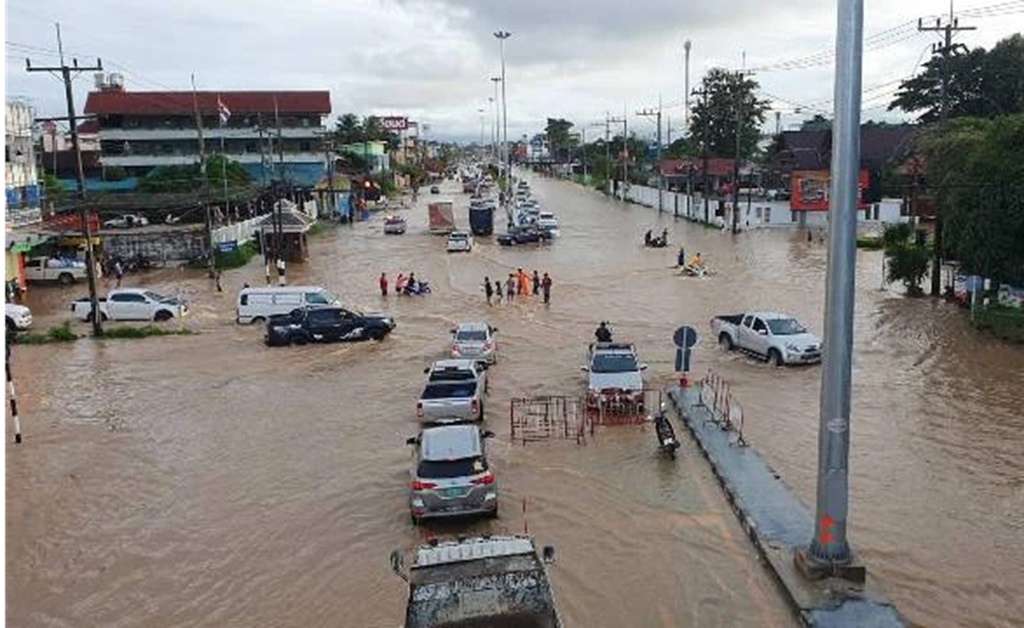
{"type": "Point", "coordinates": [383, 285]}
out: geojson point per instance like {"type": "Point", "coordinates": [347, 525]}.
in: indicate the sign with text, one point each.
{"type": "Point", "coordinates": [810, 190]}
{"type": "Point", "coordinates": [395, 123]}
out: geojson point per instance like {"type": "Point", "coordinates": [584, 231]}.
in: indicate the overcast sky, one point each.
{"type": "Point", "coordinates": [432, 59]}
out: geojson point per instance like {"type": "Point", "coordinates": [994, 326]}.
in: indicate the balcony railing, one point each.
{"type": "Point", "coordinates": [213, 133]}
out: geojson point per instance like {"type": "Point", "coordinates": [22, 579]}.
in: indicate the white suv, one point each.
{"type": "Point", "coordinates": [19, 317]}
{"type": "Point", "coordinates": [474, 341]}
{"type": "Point", "coordinates": [460, 241]}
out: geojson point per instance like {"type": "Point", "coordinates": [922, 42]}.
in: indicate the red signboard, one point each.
{"type": "Point", "coordinates": [809, 190]}
{"type": "Point", "coordinates": [395, 123]}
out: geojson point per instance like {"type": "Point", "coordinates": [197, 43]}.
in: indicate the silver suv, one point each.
{"type": "Point", "coordinates": [475, 341]}
{"type": "Point", "coordinates": [452, 476]}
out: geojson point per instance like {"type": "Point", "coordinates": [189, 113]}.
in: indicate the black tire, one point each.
{"type": "Point", "coordinates": [774, 357]}
{"type": "Point", "coordinates": [493, 514]}
{"type": "Point", "coordinates": [415, 522]}
{"type": "Point", "coordinates": [11, 328]}
{"type": "Point", "coordinates": [66, 279]}
{"type": "Point", "coordinates": [89, 317]}
{"type": "Point", "coordinates": [481, 409]}
{"type": "Point", "coordinates": [258, 320]}
{"type": "Point", "coordinates": [163, 315]}
{"type": "Point", "coordinates": [725, 341]}
{"type": "Point", "coordinates": [378, 335]}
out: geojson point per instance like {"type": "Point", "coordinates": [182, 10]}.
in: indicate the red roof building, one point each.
{"type": "Point", "coordinates": [273, 134]}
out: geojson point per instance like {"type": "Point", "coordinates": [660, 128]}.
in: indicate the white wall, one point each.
{"type": "Point", "coordinates": [760, 214]}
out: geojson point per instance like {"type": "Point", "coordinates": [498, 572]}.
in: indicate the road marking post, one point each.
{"type": "Point", "coordinates": [13, 397]}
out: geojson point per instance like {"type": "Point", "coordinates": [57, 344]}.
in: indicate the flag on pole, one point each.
{"type": "Point", "coordinates": [223, 111]}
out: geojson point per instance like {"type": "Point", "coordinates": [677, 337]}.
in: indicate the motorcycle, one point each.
{"type": "Point", "coordinates": [695, 271]}
{"type": "Point", "coordinates": [420, 288]}
{"type": "Point", "coordinates": [667, 441]}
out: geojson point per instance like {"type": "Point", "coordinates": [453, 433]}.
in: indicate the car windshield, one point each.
{"type": "Point", "coordinates": [613, 363]}
{"type": "Point", "coordinates": [472, 335]}
{"type": "Point", "coordinates": [443, 469]}
{"type": "Point", "coordinates": [459, 236]}
{"type": "Point", "coordinates": [786, 327]}
{"type": "Point", "coordinates": [457, 390]}
{"type": "Point", "coordinates": [154, 296]}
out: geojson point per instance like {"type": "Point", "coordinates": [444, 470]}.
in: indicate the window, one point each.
{"type": "Point", "coordinates": [767, 214]}
{"type": "Point", "coordinates": [440, 469]}
{"type": "Point", "coordinates": [614, 363]}
{"type": "Point", "coordinates": [786, 327]}
{"type": "Point", "coordinates": [758, 325]}
{"type": "Point", "coordinates": [128, 297]}
{"type": "Point", "coordinates": [471, 336]}
{"type": "Point", "coordinates": [316, 298]}
{"type": "Point", "coordinates": [244, 300]}
{"type": "Point", "coordinates": [324, 317]}
{"type": "Point", "coordinates": [304, 146]}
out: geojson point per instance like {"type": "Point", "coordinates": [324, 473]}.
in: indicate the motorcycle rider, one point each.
{"type": "Point", "coordinates": [647, 238]}
{"type": "Point", "coordinates": [602, 333]}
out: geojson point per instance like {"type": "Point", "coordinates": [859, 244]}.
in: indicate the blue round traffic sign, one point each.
{"type": "Point", "coordinates": [685, 337]}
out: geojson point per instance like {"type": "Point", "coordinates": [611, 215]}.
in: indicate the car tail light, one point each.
{"type": "Point", "coordinates": [475, 407]}
{"type": "Point", "coordinates": [455, 349]}
{"type": "Point", "coordinates": [419, 408]}
{"type": "Point", "coordinates": [487, 478]}
{"type": "Point", "coordinates": [488, 345]}
{"type": "Point", "coordinates": [420, 485]}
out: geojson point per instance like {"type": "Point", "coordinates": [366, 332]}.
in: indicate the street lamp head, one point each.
{"type": "Point", "coordinates": [502, 34]}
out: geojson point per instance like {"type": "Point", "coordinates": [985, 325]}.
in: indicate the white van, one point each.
{"type": "Point", "coordinates": [257, 305]}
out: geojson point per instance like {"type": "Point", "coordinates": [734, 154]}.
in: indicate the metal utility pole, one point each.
{"type": "Point", "coordinates": [202, 173]}
{"type": "Point", "coordinates": [949, 29]}
{"type": "Point", "coordinates": [651, 113]}
{"type": "Point", "coordinates": [83, 211]}
{"type": "Point", "coordinates": [686, 87]}
{"type": "Point", "coordinates": [736, 159]}
{"type": "Point", "coordinates": [703, 94]}
{"type": "Point", "coordinates": [608, 151]}
{"type": "Point", "coordinates": [622, 153]}
{"type": "Point", "coordinates": [502, 36]}
{"type": "Point", "coordinates": [829, 552]}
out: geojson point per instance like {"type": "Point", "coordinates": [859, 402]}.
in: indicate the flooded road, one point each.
{"type": "Point", "coordinates": [206, 480]}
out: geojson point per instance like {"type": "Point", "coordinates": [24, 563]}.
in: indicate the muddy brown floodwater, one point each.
{"type": "Point", "coordinates": [206, 480]}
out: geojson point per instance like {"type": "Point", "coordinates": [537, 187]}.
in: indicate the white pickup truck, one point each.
{"type": "Point", "coordinates": [777, 338]}
{"type": "Point", "coordinates": [131, 304]}
{"type": "Point", "coordinates": [65, 271]}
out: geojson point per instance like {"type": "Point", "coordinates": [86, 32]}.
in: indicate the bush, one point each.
{"type": "Point", "coordinates": [907, 261]}
{"type": "Point", "coordinates": [145, 331]}
{"type": "Point", "coordinates": [870, 242]}
{"type": "Point", "coordinates": [60, 333]}
{"type": "Point", "coordinates": [316, 229]}
{"type": "Point", "coordinates": [1003, 322]}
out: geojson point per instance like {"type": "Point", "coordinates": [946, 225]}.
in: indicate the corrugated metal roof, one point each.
{"type": "Point", "coordinates": [472, 549]}
{"type": "Point", "coordinates": [157, 103]}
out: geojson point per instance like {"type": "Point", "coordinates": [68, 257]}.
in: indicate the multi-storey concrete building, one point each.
{"type": "Point", "coordinates": [20, 175]}
{"type": "Point", "coordinates": [273, 134]}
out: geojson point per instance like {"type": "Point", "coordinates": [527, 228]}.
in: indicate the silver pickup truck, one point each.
{"type": "Point", "coordinates": [450, 402]}
{"type": "Point", "coordinates": [775, 337]}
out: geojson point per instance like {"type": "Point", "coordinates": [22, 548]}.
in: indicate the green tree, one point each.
{"type": "Point", "coordinates": [817, 123]}
{"type": "Point", "coordinates": [557, 131]}
{"type": "Point", "coordinates": [976, 167]}
{"type": "Point", "coordinates": [348, 129]}
{"type": "Point", "coordinates": [180, 179]}
{"type": "Point", "coordinates": [907, 261]}
{"type": "Point", "coordinates": [52, 188]}
{"type": "Point", "coordinates": [981, 84]}
{"type": "Point", "coordinates": [714, 117]}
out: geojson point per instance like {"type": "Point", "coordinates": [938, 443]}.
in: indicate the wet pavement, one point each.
{"type": "Point", "coordinates": [206, 480]}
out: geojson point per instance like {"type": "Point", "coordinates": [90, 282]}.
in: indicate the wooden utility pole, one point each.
{"type": "Point", "coordinates": [203, 193]}
{"type": "Point", "coordinates": [946, 50]}
{"type": "Point", "coordinates": [83, 211]}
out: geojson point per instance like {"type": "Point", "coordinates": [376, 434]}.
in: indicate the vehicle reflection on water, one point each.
{"type": "Point", "coordinates": [207, 480]}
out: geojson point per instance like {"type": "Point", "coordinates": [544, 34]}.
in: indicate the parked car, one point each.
{"type": "Point", "coordinates": [435, 189]}
{"type": "Point", "coordinates": [131, 304]}
{"type": "Point", "coordinates": [325, 323]}
{"type": "Point", "coordinates": [458, 371]}
{"type": "Point", "coordinates": [475, 341]}
{"type": "Point", "coordinates": [546, 221]}
{"type": "Point", "coordinates": [394, 225]}
{"type": "Point", "coordinates": [459, 241]}
{"type": "Point", "coordinates": [127, 221]}
{"type": "Point", "coordinates": [257, 305]}
{"type": "Point", "coordinates": [450, 402]}
{"type": "Point", "coordinates": [452, 476]}
{"type": "Point", "coordinates": [777, 338]}
{"type": "Point", "coordinates": [522, 235]}
{"type": "Point", "coordinates": [66, 271]}
{"type": "Point", "coordinates": [614, 374]}
{"type": "Point", "coordinates": [19, 317]}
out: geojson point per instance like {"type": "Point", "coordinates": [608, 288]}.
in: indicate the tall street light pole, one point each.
{"type": "Point", "coordinates": [502, 36]}
{"type": "Point", "coordinates": [497, 121]}
{"type": "Point", "coordinates": [829, 552]}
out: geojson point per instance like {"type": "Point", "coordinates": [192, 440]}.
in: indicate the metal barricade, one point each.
{"type": "Point", "coordinates": [622, 407]}
{"type": "Point", "coordinates": [549, 417]}
{"type": "Point", "coordinates": [723, 408]}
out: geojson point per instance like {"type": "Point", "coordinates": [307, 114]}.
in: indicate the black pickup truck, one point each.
{"type": "Point", "coordinates": [328, 323]}
{"type": "Point", "coordinates": [523, 235]}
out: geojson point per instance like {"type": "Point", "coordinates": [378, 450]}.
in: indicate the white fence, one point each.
{"type": "Point", "coordinates": [757, 213]}
{"type": "Point", "coordinates": [242, 232]}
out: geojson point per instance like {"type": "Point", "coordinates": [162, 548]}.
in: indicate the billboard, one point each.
{"type": "Point", "coordinates": [395, 123]}
{"type": "Point", "coordinates": [809, 190]}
